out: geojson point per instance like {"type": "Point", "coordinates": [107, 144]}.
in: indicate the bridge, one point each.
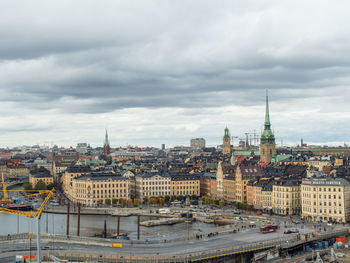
{"type": "Point", "coordinates": [95, 249]}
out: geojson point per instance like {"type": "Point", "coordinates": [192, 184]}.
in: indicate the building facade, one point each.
{"type": "Point", "coordinates": [286, 197]}
{"type": "Point", "coordinates": [198, 143]}
{"type": "Point", "coordinates": [185, 185]}
{"type": "Point", "coordinates": [153, 185]}
{"type": "Point", "coordinates": [92, 189]}
{"type": "Point", "coordinates": [325, 199]}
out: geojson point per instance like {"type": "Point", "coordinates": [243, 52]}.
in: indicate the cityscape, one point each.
{"type": "Point", "coordinates": [174, 131]}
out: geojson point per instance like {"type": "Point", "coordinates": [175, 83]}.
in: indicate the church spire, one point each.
{"type": "Point", "coordinates": [106, 139]}
{"type": "Point", "coordinates": [267, 113]}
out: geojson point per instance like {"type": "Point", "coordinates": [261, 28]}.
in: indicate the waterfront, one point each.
{"type": "Point", "coordinates": [89, 225]}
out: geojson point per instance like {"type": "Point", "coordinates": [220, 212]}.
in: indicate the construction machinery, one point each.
{"type": "Point", "coordinates": [4, 190]}
{"type": "Point", "coordinates": [31, 214]}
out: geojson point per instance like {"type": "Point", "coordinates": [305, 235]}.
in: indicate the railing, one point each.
{"type": "Point", "coordinates": [194, 257]}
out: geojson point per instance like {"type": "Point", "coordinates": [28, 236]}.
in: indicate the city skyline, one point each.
{"type": "Point", "coordinates": [188, 72]}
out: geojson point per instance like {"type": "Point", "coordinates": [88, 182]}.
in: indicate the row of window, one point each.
{"type": "Point", "coordinates": [322, 211]}
{"type": "Point", "coordinates": [308, 188]}
{"type": "Point", "coordinates": [324, 196]}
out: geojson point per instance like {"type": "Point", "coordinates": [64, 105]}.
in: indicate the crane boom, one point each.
{"type": "Point", "coordinates": [27, 213]}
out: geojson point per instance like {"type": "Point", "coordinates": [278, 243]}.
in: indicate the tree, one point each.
{"type": "Point", "coordinates": [161, 201]}
{"type": "Point", "coordinates": [145, 200]}
{"type": "Point", "coordinates": [50, 186]}
{"type": "Point", "coordinates": [153, 200]}
{"type": "Point", "coordinates": [114, 201]}
{"type": "Point", "coordinates": [122, 202]}
{"type": "Point", "coordinates": [166, 199]}
{"type": "Point", "coordinates": [27, 187]}
{"type": "Point", "coordinates": [129, 202]}
{"type": "Point", "coordinates": [107, 201]}
{"type": "Point", "coordinates": [40, 185]}
{"type": "Point", "coordinates": [193, 197]}
{"type": "Point", "coordinates": [180, 198]}
{"type": "Point", "coordinates": [221, 203]}
{"type": "Point", "coordinates": [136, 202]}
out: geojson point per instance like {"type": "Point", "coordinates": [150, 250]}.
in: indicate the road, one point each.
{"type": "Point", "coordinates": [177, 248]}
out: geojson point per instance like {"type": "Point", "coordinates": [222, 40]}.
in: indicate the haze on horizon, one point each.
{"type": "Point", "coordinates": [162, 71]}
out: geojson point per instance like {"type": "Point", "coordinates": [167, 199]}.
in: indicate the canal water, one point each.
{"type": "Point", "coordinates": [91, 224]}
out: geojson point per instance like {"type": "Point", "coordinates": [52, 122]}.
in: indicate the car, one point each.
{"type": "Point", "coordinates": [291, 231]}
{"type": "Point", "coordinates": [236, 212]}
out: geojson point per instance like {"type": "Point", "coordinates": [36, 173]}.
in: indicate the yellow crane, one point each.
{"type": "Point", "coordinates": [32, 214]}
{"type": "Point", "coordinates": [4, 199]}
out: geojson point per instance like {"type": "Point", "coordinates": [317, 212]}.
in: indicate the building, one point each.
{"type": "Point", "coordinates": [96, 188]}
{"type": "Point", "coordinates": [198, 143]}
{"type": "Point", "coordinates": [267, 139]}
{"type": "Point", "coordinates": [16, 170]}
{"type": "Point", "coordinates": [153, 185]}
{"type": "Point", "coordinates": [266, 196]}
{"type": "Point", "coordinates": [40, 175]}
{"type": "Point", "coordinates": [325, 199]}
{"type": "Point", "coordinates": [223, 169]}
{"type": "Point", "coordinates": [245, 173]}
{"type": "Point", "coordinates": [208, 185]}
{"type": "Point", "coordinates": [286, 197]}
{"type": "Point", "coordinates": [229, 189]}
{"type": "Point", "coordinates": [106, 147]}
{"type": "Point", "coordinates": [82, 148]}
{"type": "Point", "coordinates": [226, 142]}
{"type": "Point", "coordinates": [185, 185]}
{"type": "Point", "coordinates": [69, 174]}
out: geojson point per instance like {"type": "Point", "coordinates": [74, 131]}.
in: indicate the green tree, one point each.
{"type": "Point", "coordinates": [40, 185]}
{"type": "Point", "coordinates": [167, 199]}
{"type": "Point", "coordinates": [221, 203]}
{"type": "Point", "coordinates": [50, 186]}
{"type": "Point", "coordinates": [107, 201]}
{"type": "Point", "coordinates": [114, 201]}
{"type": "Point", "coordinates": [145, 200]}
{"type": "Point", "coordinates": [130, 202]}
{"type": "Point", "coordinates": [193, 197]}
{"type": "Point", "coordinates": [180, 198]}
{"type": "Point", "coordinates": [27, 187]}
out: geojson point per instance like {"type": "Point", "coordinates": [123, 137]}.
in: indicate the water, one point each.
{"type": "Point", "coordinates": [91, 224]}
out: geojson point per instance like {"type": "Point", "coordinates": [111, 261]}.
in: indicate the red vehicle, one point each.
{"type": "Point", "coordinates": [268, 228]}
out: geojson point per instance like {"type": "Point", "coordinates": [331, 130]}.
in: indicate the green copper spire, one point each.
{"type": "Point", "coordinates": [267, 137]}
{"type": "Point", "coordinates": [267, 113]}
{"type": "Point", "coordinates": [106, 139]}
{"type": "Point", "coordinates": [227, 134]}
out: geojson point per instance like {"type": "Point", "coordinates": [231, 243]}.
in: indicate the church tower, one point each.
{"type": "Point", "coordinates": [106, 148]}
{"type": "Point", "coordinates": [267, 141]}
{"type": "Point", "coordinates": [226, 144]}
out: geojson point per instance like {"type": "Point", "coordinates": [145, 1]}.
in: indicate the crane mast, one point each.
{"type": "Point", "coordinates": [5, 199]}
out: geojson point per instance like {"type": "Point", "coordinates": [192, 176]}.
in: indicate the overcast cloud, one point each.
{"type": "Point", "coordinates": [155, 72]}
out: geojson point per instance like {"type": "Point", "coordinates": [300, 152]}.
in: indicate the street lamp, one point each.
{"type": "Point", "coordinates": [30, 246]}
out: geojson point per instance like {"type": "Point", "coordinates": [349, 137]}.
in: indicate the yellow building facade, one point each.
{"type": "Point", "coordinates": [325, 199]}
{"type": "Point", "coordinates": [286, 197]}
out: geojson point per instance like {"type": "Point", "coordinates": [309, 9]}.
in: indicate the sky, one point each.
{"type": "Point", "coordinates": [153, 72]}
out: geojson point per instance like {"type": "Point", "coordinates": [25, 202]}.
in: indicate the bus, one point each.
{"type": "Point", "coordinates": [268, 228]}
